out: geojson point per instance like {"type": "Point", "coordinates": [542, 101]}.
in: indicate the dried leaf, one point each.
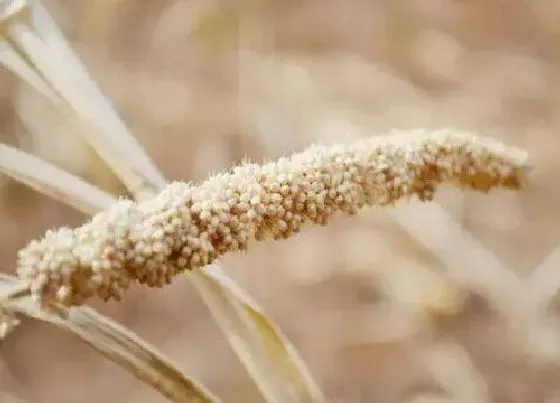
{"type": "Point", "coordinates": [112, 340]}
{"type": "Point", "coordinates": [10, 9]}
{"type": "Point", "coordinates": [54, 182]}
{"type": "Point", "coordinates": [268, 355]}
{"type": "Point", "coordinates": [15, 62]}
{"type": "Point", "coordinates": [48, 53]}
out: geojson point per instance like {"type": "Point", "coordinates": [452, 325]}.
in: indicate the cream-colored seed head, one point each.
{"type": "Point", "coordinates": [189, 226]}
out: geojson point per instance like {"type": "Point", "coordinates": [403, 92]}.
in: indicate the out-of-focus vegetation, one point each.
{"type": "Point", "coordinates": [377, 315]}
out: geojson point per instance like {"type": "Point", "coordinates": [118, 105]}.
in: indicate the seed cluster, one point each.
{"type": "Point", "coordinates": [188, 226]}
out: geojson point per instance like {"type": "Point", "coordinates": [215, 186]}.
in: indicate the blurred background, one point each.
{"type": "Point", "coordinates": [377, 315]}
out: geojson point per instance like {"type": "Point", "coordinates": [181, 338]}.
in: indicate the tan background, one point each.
{"type": "Point", "coordinates": [203, 84]}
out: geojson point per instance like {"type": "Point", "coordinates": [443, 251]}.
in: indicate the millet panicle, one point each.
{"type": "Point", "coordinates": [188, 226]}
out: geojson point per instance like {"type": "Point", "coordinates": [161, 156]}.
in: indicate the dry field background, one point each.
{"type": "Point", "coordinates": [377, 315]}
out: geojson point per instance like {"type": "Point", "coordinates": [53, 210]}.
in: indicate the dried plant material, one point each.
{"type": "Point", "coordinates": [51, 135]}
{"type": "Point", "coordinates": [188, 226]}
{"type": "Point", "coordinates": [8, 323]}
{"type": "Point", "coordinates": [113, 341]}
{"type": "Point", "coordinates": [9, 289]}
{"type": "Point", "coordinates": [52, 181]}
{"type": "Point", "coordinates": [544, 283]}
{"type": "Point", "coordinates": [11, 9]}
{"type": "Point", "coordinates": [13, 57]}
{"type": "Point", "coordinates": [270, 358]}
{"type": "Point", "coordinates": [535, 335]}
{"type": "Point", "coordinates": [112, 140]}
{"type": "Point", "coordinates": [13, 61]}
{"type": "Point", "coordinates": [422, 290]}
{"type": "Point", "coordinates": [108, 136]}
{"type": "Point", "coordinates": [472, 265]}
{"type": "Point", "coordinates": [451, 367]}
{"type": "Point", "coordinates": [46, 51]}
{"type": "Point", "coordinates": [475, 268]}
{"type": "Point", "coordinates": [532, 327]}
{"type": "Point", "coordinates": [222, 296]}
